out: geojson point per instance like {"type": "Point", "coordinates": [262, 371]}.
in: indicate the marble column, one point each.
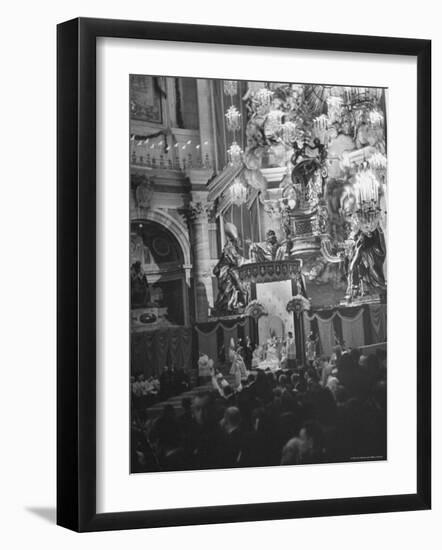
{"type": "Point", "coordinates": [198, 213]}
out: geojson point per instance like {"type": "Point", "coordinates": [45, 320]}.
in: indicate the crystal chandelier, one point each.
{"type": "Point", "coordinates": [234, 152]}
{"type": "Point", "coordinates": [238, 192]}
{"type": "Point", "coordinates": [263, 98]}
{"type": "Point", "coordinates": [367, 191]}
{"type": "Point", "coordinates": [233, 117]}
{"type": "Point", "coordinates": [230, 87]}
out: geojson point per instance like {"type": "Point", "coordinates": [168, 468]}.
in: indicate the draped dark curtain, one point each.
{"type": "Point", "coordinates": [214, 336]}
{"type": "Point", "coordinates": [362, 326]}
{"type": "Point", "coordinates": [152, 350]}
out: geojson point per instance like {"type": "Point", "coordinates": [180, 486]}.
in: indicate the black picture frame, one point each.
{"type": "Point", "coordinates": [76, 273]}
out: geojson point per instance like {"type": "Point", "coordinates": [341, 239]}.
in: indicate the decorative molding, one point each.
{"type": "Point", "coordinates": [255, 310]}
{"type": "Point", "coordinates": [198, 210]}
{"type": "Point", "coordinates": [144, 193]}
{"type": "Point", "coordinates": [267, 272]}
{"type": "Point", "coordinates": [298, 304]}
{"type": "Point", "coordinates": [199, 176]}
{"type": "Point", "coordinates": [178, 229]}
{"type": "Point", "coordinates": [222, 181]}
{"type": "Point", "coordinates": [275, 174]}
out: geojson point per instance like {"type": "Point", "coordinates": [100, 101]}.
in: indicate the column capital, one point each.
{"type": "Point", "coordinates": [199, 210]}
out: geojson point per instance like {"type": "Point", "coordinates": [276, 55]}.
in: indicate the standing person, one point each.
{"type": "Point", "coordinates": [222, 355]}
{"type": "Point", "coordinates": [165, 380]}
{"type": "Point", "coordinates": [204, 366]}
{"type": "Point", "coordinates": [209, 441]}
{"type": "Point", "coordinates": [284, 357]}
{"type": "Point", "coordinates": [238, 370]}
{"type": "Point", "coordinates": [139, 288]}
{"type": "Point", "coordinates": [291, 352]}
{"type": "Point", "coordinates": [311, 348]}
{"type": "Point", "coordinates": [233, 441]}
{"type": "Point", "coordinates": [248, 353]}
{"type": "Point", "coordinates": [256, 357]}
{"type": "Point", "coordinates": [231, 352]}
{"type": "Point", "coordinates": [279, 345]}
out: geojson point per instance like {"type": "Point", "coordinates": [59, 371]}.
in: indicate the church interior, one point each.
{"type": "Point", "coordinates": [257, 209]}
{"type": "Point", "coordinates": [258, 222]}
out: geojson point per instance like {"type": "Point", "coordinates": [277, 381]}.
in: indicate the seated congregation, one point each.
{"type": "Point", "coordinates": [146, 392]}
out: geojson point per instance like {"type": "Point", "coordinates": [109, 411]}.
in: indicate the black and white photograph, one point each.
{"type": "Point", "coordinates": [224, 218]}
{"type": "Point", "coordinates": [258, 273]}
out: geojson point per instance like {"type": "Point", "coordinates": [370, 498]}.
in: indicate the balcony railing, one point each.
{"type": "Point", "coordinates": [181, 151]}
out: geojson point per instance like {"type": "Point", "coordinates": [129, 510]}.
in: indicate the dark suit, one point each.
{"type": "Point", "coordinates": [233, 446]}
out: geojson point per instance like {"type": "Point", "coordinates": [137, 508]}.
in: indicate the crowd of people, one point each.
{"type": "Point", "coordinates": [148, 391]}
{"type": "Point", "coordinates": [331, 409]}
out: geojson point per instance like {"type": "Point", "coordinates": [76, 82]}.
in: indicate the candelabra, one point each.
{"type": "Point", "coordinates": [233, 119]}
{"type": "Point", "coordinates": [238, 192]}
{"type": "Point", "coordinates": [230, 87]}
{"type": "Point", "coordinates": [235, 154]}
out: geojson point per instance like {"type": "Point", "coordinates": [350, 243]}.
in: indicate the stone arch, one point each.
{"type": "Point", "coordinates": [178, 230]}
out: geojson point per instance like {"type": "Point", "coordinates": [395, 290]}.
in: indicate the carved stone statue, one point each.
{"type": "Point", "coordinates": [271, 249]}
{"type": "Point", "coordinates": [144, 191]}
{"type": "Point", "coordinates": [232, 293]}
{"type": "Point", "coordinates": [365, 268]}
{"type": "Point", "coordinates": [266, 251]}
{"type": "Point", "coordinates": [139, 287]}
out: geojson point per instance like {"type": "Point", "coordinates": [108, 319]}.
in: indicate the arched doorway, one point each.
{"type": "Point", "coordinates": [161, 258]}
